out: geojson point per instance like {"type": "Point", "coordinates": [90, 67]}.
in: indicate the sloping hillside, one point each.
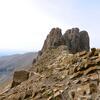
{"type": "Point", "coordinates": [8, 64]}
{"type": "Point", "coordinates": [59, 75]}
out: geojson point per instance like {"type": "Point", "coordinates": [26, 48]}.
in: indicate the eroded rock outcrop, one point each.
{"type": "Point", "coordinates": [75, 40]}
{"type": "Point", "coordinates": [19, 77]}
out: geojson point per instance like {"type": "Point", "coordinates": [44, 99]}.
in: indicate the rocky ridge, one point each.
{"type": "Point", "coordinates": [75, 40]}
{"type": "Point", "coordinates": [61, 74]}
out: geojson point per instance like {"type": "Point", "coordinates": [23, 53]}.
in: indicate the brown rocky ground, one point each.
{"type": "Point", "coordinates": [58, 75]}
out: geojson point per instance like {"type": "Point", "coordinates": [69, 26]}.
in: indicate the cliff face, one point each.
{"type": "Point", "coordinates": [59, 73]}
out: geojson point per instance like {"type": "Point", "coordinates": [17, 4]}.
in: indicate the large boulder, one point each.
{"type": "Point", "coordinates": [19, 77]}
{"type": "Point", "coordinates": [54, 39]}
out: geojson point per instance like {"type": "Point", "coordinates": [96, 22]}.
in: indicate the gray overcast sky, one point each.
{"type": "Point", "coordinates": [24, 24]}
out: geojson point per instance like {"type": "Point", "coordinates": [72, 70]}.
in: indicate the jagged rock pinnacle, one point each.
{"type": "Point", "coordinates": [54, 39]}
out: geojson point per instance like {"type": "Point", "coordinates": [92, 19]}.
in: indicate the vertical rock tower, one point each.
{"type": "Point", "coordinates": [54, 39]}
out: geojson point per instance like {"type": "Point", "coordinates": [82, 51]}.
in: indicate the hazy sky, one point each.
{"type": "Point", "coordinates": [24, 24]}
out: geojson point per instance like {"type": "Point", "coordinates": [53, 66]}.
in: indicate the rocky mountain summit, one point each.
{"type": "Point", "coordinates": [65, 69]}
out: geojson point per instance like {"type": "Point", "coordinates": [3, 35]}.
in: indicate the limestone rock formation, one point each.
{"type": "Point", "coordinates": [19, 77]}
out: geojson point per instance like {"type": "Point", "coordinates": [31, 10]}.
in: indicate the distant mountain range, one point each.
{"type": "Point", "coordinates": [8, 64]}
{"type": "Point", "coordinates": [10, 52]}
